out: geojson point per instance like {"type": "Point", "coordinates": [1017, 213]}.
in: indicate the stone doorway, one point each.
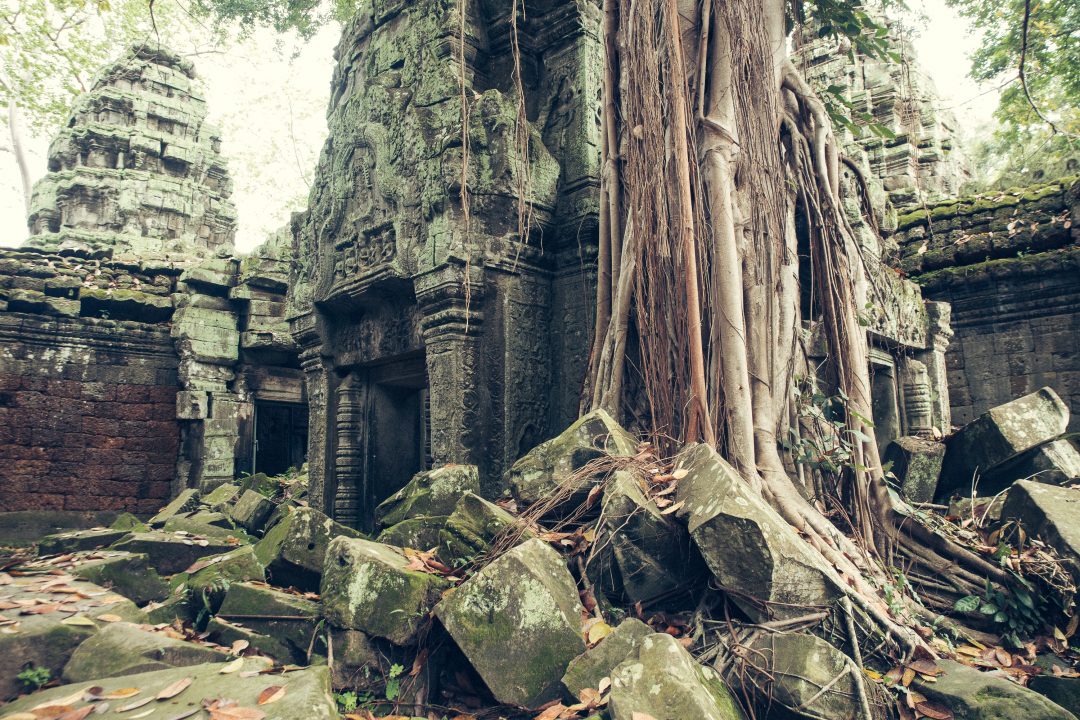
{"type": "Point", "coordinates": [281, 436]}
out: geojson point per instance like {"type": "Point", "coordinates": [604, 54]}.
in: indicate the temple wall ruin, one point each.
{"type": "Point", "coordinates": [1009, 264]}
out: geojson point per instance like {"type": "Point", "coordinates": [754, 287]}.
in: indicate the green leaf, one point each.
{"type": "Point", "coordinates": [966, 604]}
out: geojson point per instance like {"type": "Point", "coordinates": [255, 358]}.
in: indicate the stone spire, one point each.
{"type": "Point", "coordinates": [137, 170]}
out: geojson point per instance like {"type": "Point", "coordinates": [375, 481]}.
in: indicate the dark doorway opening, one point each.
{"type": "Point", "coordinates": [399, 422]}
{"type": "Point", "coordinates": [281, 433]}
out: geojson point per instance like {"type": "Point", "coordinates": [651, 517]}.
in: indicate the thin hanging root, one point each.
{"type": "Point", "coordinates": [856, 655]}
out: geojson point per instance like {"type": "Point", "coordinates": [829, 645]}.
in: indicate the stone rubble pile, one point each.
{"type": "Point", "coordinates": [247, 598]}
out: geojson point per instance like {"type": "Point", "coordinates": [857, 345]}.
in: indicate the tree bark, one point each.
{"type": "Point", "coordinates": [18, 146]}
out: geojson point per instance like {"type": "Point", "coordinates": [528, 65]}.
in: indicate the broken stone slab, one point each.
{"type": "Point", "coordinates": [128, 523]}
{"type": "Point", "coordinates": [540, 472]}
{"type": "Point", "coordinates": [646, 555]}
{"type": "Point", "coordinates": [916, 463]}
{"type": "Point", "coordinates": [518, 621]}
{"type": "Point", "coordinates": [768, 569]}
{"type": "Point", "coordinates": [170, 553]}
{"type": "Point", "coordinates": [1049, 512]}
{"type": "Point", "coordinates": [92, 539]}
{"type": "Point", "coordinates": [178, 606]}
{"type": "Point", "coordinates": [974, 695]}
{"type": "Point", "coordinates": [998, 435]}
{"type": "Point", "coordinates": [293, 551]}
{"type": "Point", "coordinates": [307, 692]}
{"type": "Point", "coordinates": [126, 649]}
{"type": "Point", "coordinates": [597, 663]}
{"type": "Point", "coordinates": [209, 578]}
{"type": "Point", "coordinates": [1053, 463]}
{"type": "Point", "coordinates": [1063, 691]}
{"type": "Point", "coordinates": [221, 498]}
{"type": "Point", "coordinates": [186, 501]}
{"type": "Point", "coordinates": [371, 587]}
{"type": "Point", "coordinates": [361, 662]}
{"type": "Point", "coordinates": [46, 637]}
{"type": "Point", "coordinates": [431, 493]}
{"type": "Point", "coordinates": [204, 524]}
{"type": "Point", "coordinates": [289, 618]}
{"type": "Point", "coordinates": [251, 511]}
{"type": "Point", "coordinates": [982, 509]}
{"type": "Point", "coordinates": [128, 574]}
{"type": "Point", "coordinates": [226, 633]}
{"type": "Point", "coordinates": [472, 527]}
{"type": "Point", "coordinates": [421, 533]}
{"type": "Point", "coordinates": [792, 668]}
{"type": "Point", "coordinates": [662, 680]}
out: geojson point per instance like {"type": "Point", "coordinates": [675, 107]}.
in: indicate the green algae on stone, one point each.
{"type": "Point", "coordinates": [974, 695]}
{"type": "Point", "coordinates": [213, 576]}
{"type": "Point", "coordinates": [169, 553]}
{"type": "Point", "coordinates": [792, 668]}
{"type": "Point", "coordinates": [76, 540]}
{"type": "Point", "coordinates": [518, 621]}
{"type": "Point", "coordinates": [186, 501]}
{"type": "Point", "coordinates": [369, 586]}
{"type": "Point", "coordinates": [294, 549]}
{"type": "Point", "coordinates": [128, 574]}
{"type": "Point", "coordinates": [289, 618]}
{"type": "Point", "coordinates": [251, 511]}
{"type": "Point", "coordinates": [421, 533]}
{"type": "Point", "coordinates": [596, 663]}
{"type": "Point", "coordinates": [126, 649]}
{"type": "Point", "coordinates": [472, 527]}
{"type": "Point", "coordinates": [430, 493]}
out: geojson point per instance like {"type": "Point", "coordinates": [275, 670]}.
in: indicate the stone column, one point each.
{"type": "Point", "coordinates": [452, 321]}
{"type": "Point", "coordinates": [317, 376]}
{"type": "Point", "coordinates": [939, 315]}
{"type": "Point", "coordinates": [351, 502]}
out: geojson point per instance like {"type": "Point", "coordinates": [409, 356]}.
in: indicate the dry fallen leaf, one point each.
{"type": "Point", "coordinates": [143, 714]}
{"type": "Point", "coordinates": [239, 646]}
{"type": "Point", "coordinates": [598, 631]}
{"type": "Point", "coordinates": [134, 705]}
{"type": "Point", "coordinates": [109, 618]}
{"type": "Point", "coordinates": [175, 689]}
{"type": "Point", "coordinates": [641, 716]}
{"type": "Point", "coordinates": [233, 666]}
{"type": "Point", "coordinates": [271, 694]}
{"type": "Point", "coordinates": [933, 710]}
{"type": "Point", "coordinates": [121, 694]}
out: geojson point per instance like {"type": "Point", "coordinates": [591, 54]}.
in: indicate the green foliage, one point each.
{"type": "Point", "coordinates": [1017, 612]}
{"type": "Point", "coordinates": [302, 16]}
{"type": "Point", "coordinates": [347, 701]}
{"type": "Point", "coordinates": [33, 678]}
{"type": "Point", "coordinates": [393, 682]}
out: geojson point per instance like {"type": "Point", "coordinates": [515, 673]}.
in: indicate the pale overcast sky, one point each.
{"type": "Point", "coordinates": [271, 108]}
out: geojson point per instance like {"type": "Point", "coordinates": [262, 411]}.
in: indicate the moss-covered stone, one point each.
{"type": "Point", "coordinates": [128, 574]}
{"type": "Point", "coordinates": [421, 533]}
{"type": "Point", "coordinates": [213, 576]}
{"type": "Point", "coordinates": [539, 474]}
{"type": "Point", "coordinates": [169, 553]}
{"type": "Point", "coordinates": [221, 498]}
{"type": "Point", "coordinates": [205, 524]}
{"type": "Point", "coordinates": [1063, 691]}
{"type": "Point", "coordinates": [226, 633]}
{"type": "Point", "coordinates": [792, 668]}
{"type": "Point", "coordinates": [662, 680]}
{"type": "Point", "coordinates": [431, 493]}
{"type": "Point", "coordinates": [916, 463]}
{"type": "Point", "coordinates": [92, 539]}
{"type": "Point", "coordinates": [518, 621]}
{"type": "Point", "coordinates": [128, 523]}
{"type": "Point", "coordinates": [369, 586]}
{"type": "Point", "coordinates": [125, 649]}
{"type": "Point", "coordinates": [294, 549]}
{"type": "Point", "coordinates": [291, 619]}
{"type": "Point", "coordinates": [974, 695]}
{"type": "Point", "coordinates": [186, 501]}
{"type": "Point", "coordinates": [307, 692]}
{"type": "Point", "coordinates": [597, 663]}
{"type": "Point", "coordinates": [472, 527]}
{"type": "Point", "coordinates": [251, 511]}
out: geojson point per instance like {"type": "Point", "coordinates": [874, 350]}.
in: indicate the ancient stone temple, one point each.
{"type": "Point", "coordinates": [137, 170]}
{"type": "Point", "coordinates": [138, 356]}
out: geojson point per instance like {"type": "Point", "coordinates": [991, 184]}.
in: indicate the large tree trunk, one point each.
{"type": "Point", "coordinates": [18, 147]}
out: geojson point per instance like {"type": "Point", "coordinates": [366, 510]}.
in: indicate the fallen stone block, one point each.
{"type": "Point", "coordinates": [792, 668]}
{"type": "Point", "coordinates": [186, 501]}
{"type": "Point", "coordinates": [371, 587]}
{"type": "Point", "coordinates": [208, 579]}
{"type": "Point", "coordinates": [251, 511]}
{"type": "Point", "coordinates": [170, 553]}
{"type": "Point", "coordinates": [178, 606]}
{"type": "Point", "coordinates": [221, 498]}
{"type": "Point", "coordinates": [431, 493]}
{"type": "Point", "coordinates": [1063, 691]}
{"type": "Point", "coordinates": [126, 649]}
{"type": "Point", "coordinates": [974, 695]}
{"type": "Point", "coordinates": [306, 693]}
{"type": "Point", "coordinates": [1053, 463]}
{"type": "Point", "coordinates": [646, 555]}
{"type": "Point", "coordinates": [128, 574]}
{"type": "Point", "coordinates": [916, 463]}
{"type": "Point", "coordinates": [472, 527]}
{"type": "Point", "coordinates": [540, 473]}
{"type": "Point", "coordinates": [205, 524]}
{"type": "Point", "coordinates": [48, 628]}
{"type": "Point", "coordinates": [293, 551]}
{"type": "Point", "coordinates": [128, 523]}
{"type": "Point", "coordinates": [769, 570]}
{"type": "Point", "coordinates": [999, 435]}
{"type": "Point", "coordinates": [597, 663]}
{"type": "Point", "coordinates": [289, 618]}
{"type": "Point", "coordinates": [421, 533]}
{"type": "Point", "coordinates": [1049, 512]}
{"type": "Point", "coordinates": [92, 539]}
{"type": "Point", "coordinates": [982, 509]}
{"type": "Point", "coordinates": [518, 621]}
{"type": "Point", "coordinates": [226, 633]}
{"type": "Point", "coordinates": [362, 662]}
{"type": "Point", "coordinates": [662, 680]}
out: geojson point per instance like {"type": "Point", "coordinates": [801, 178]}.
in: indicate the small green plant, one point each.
{"type": "Point", "coordinates": [33, 678]}
{"type": "Point", "coordinates": [347, 701]}
{"type": "Point", "coordinates": [393, 682]}
{"type": "Point", "coordinates": [1016, 611]}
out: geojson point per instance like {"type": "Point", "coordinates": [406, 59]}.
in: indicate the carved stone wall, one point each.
{"type": "Point", "coordinates": [1009, 264]}
{"type": "Point", "coordinates": [136, 169]}
{"type": "Point", "coordinates": [405, 285]}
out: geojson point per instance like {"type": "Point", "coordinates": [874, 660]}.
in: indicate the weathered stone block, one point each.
{"type": "Point", "coordinates": [543, 469]}
{"type": "Point", "coordinates": [1063, 691]}
{"type": "Point", "coordinates": [472, 527]}
{"type": "Point", "coordinates": [1053, 463]}
{"type": "Point", "coordinates": [792, 668]}
{"type": "Point", "coordinates": [204, 524]}
{"type": "Point", "coordinates": [251, 511]}
{"type": "Point", "coordinates": [125, 649]}
{"type": "Point", "coordinates": [226, 633]}
{"type": "Point", "coordinates": [596, 663]}
{"type": "Point", "coordinates": [917, 464]}
{"type": "Point", "coordinates": [127, 574]}
{"type": "Point", "coordinates": [192, 405]}
{"type": "Point", "coordinates": [169, 553]}
{"type": "Point", "coordinates": [999, 435]}
{"type": "Point", "coordinates": [519, 612]}
{"type": "Point", "coordinates": [769, 569]}
{"type": "Point", "coordinates": [288, 618]}
{"type": "Point", "coordinates": [91, 539]}
{"type": "Point", "coordinates": [421, 533]}
{"type": "Point", "coordinates": [186, 501]}
{"type": "Point", "coordinates": [369, 586]}
{"type": "Point", "coordinates": [974, 695]}
{"type": "Point", "coordinates": [293, 551]}
{"type": "Point", "coordinates": [431, 493]}
{"type": "Point", "coordinates": [664, 681]}
{"type": "Point", "coordinates": [209, 579]}
{"type": "Point", "coordinates": [1049, 512]}
{"type": "Point", "coordinates": [221, 498]}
